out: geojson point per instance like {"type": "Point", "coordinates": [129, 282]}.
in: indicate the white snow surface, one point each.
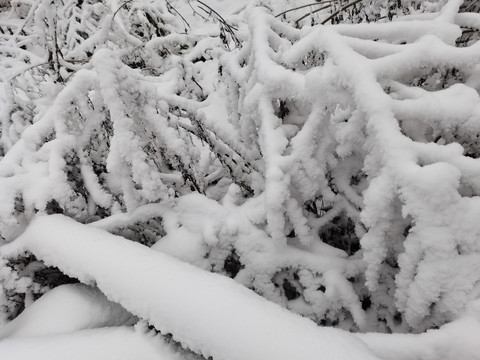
{"type": "Point", "coordinates": [119, 343]}
{"type": "Point", "coordinates": [207, 313]}
{"type": "Point", "coordinates": [65, 309]}
{"type": "Point", "coordinates": [456, 340]}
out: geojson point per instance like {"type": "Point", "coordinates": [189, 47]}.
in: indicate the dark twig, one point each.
{"type": "Point", "coordinates": [166, 1]}
{"type": "Point", "coordinates": [120, 7]}
{"type": "Point", "coordinates": [27, 69]}
{"type": "Point", "coordinates": [340, 10]}
{"type": "Point", "coordinates": [171, 7]}
{"type": "Point", "coordinates": [195, 81]}
{"type": "Point", "coordinates": [304, 6]}
{"type": "Point", "coordinates": [229, 28]}
{"type": "Point", "coordinates": [213, 11]}
{"type": "Point", "coordinates": [312, 12]}
{"type": "Point", "coordinates": [195, 12]}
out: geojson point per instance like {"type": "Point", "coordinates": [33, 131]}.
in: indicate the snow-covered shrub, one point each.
{"type": "Point", "coordinates": [332, 169]}
{"type": "Point", "coordinates": [344, 123]}
{"type": "Point", "coordinates": [107, 136]}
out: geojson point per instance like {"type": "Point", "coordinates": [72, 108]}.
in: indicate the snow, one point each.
{"type": "Point", "coordinates": [457, 340]}
{"type": "Point", "coordinates": [118, 343]}
{"type": "Point", "coordinates": [194, 306]}
{"type": "Point", "coordinates": [78, 322]}
{"type": "Point", "coordinates": [399, 31]}
{"type": "Point", "coordinates": [123, 219]}
{"type": "Point", "coordinates": [66, 308]}
{"type": "Point", "coordinates": [374, 124]}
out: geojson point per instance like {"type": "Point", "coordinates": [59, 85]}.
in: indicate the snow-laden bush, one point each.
{"type": "Point", "coordinates": [364, 122]}
{"type": "Point", "coordinates": [332, 169]}
{"type": "Point", "coordinates": [101, 141]}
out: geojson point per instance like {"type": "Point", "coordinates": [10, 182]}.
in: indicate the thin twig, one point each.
{"type": "Point", "coordinates": [304, 6]}
{"type": "Point", "coordinates": [195, 81]}
{"type": "Point", "coordinates": [312, 12]}
{"type": "Point", "coordinates": [166, 1]}
{"type": "Point", "coordinates": [171, 7]}
{"type": "Point", "coordinates": [121, 6]}
{"type": "Point", "coordinates": [210, 11]}
{"type": "Point", "coordinates": [471, 7]}
{"type": "Point", "coordinates": [339, 11]}
{"type": "Point", "coordinates": [27, 69]}
{"type": "Point", "coordinates": [30, 16]}
{"type": "Point", "coordinates": [195, 12]}
{"type": "Point", "coordinates": [230, 28]}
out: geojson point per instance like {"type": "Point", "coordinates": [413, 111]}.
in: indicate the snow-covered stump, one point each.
{"type": "Point", "coordinates": [207, 313]}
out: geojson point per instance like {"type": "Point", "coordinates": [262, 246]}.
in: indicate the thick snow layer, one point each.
{"type": "Point", "coordinates": [65, 309]}
{"type": "Point", "coordinates": [206, 312]}
{"type": "Point", "coordinates": [457, 340]}
{"type": "Point", "coordinates": [120, 343]}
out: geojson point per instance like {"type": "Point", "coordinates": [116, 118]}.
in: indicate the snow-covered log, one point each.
{"type": "Point", "coordinates": [208, 313]}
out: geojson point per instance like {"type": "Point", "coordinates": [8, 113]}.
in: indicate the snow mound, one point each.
{"type": "Point", "coordinates": [64, 309]}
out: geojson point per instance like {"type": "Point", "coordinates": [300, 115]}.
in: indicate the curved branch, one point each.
{"type": "Point", "coordinates": [304, 6]}
{"type": "Point", "coordinates": [311, 13]}
{"type": "Point", "coordinates": [339, 11]}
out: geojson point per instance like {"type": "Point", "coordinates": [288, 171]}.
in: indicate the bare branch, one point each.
{"type": "Point", "coordinates": [304, 6]}
{"type": "Point", "coordinates": [343, 8]}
